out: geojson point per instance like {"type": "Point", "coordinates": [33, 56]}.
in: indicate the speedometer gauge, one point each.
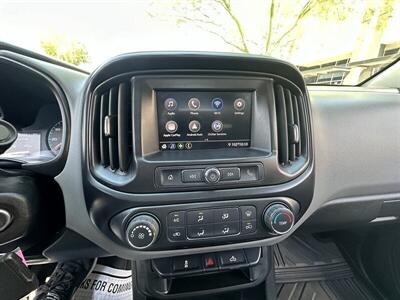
{"type": "Point", "coordinates": [54, 138]}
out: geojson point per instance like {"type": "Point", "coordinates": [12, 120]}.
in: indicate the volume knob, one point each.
{"type": "Point", "coordinates": [278, 218]}
{"type": "Point", "coordinates": [212, 175]}
{"type": "Point", "coordinates": [142, 231]}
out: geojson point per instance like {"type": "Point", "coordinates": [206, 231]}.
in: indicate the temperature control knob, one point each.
{"type": "Point", "coordinates": [142, 231]}
{"type": "Point", "coordinates": [278, 218]}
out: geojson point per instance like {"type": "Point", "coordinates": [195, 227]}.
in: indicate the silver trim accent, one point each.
{"type": "Point", "coordinates": [8, 218]}
{"type": "Point", "coordinates": [107, 126]}
{"type": "Point", "coordinates": [296, 133]}
{"type": "Point", "coordinates": [384, 219]}
{"type": "Point", "coordinates": [38, 261]}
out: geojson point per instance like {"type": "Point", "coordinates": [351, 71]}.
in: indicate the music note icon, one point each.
{"type": "Point", "coordinates": [170, 104]}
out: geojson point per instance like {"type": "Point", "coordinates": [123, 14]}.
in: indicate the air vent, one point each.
{"type": "Point", "coordinates": [291, 125]}
{"type": "Point", "coordinates": [112, 128]}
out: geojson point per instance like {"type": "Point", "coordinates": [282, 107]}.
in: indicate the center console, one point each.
{"type": "Point", "coordinates": [191, 157]}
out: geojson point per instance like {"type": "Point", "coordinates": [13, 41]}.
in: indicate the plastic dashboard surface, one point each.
{"type": "Point", "coordinates": [351, 166]}
{"type": "Point", "coordinates": [136, 193]}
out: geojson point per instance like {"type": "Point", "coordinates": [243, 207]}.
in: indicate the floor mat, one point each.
{"type": "Point", "coordinates": [306, 268]}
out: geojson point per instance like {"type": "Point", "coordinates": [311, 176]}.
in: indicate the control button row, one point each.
{"type": "Point", "coordinates": [212, 216]}
{"type": "Point", "coordinates": [209, 175]}
{"type": "Point", "coordinates": [211, 230]}
{"type": "Point", "coordinates": [184, 265]}
{"type": "Point", "coordinates": [208, 216]}
{"type": "Point", "coordinates": [202, 231]}
{"type": "Point", "coordinates": [170, 104]}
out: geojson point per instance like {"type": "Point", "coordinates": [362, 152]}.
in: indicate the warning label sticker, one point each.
{"type": "Point", "coordinates": [106, 283]}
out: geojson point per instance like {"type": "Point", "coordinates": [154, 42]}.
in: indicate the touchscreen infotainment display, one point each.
{"type": "Point", "coordinates": [203, 119]}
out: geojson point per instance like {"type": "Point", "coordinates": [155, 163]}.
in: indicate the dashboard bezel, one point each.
{"type": "Point", "coordinates": [147, 156]}
{"type": "Point", "coordinates": [106, 198]}
{"type": "Point", "coordinates": [55, 165]}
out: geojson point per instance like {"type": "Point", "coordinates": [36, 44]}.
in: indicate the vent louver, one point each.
{"type": "Point", "coordinates": [291, 125]}
{"type": "Point", "coordinates": [112, 128]}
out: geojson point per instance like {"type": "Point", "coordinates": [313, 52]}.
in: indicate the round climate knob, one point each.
{"type": "Point", "coordinates": [278, 218]}
{"type": "Point", "coordinates": [212, 175]}
{"type": "Point", "coordinates": [142, 231]}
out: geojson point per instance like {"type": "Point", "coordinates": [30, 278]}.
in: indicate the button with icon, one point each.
{"type": "Point", "coordinates": [188, 145]}
{"type": "Point", "coordinates": [249, 226]}
{"type": "Point", "coordinates": [164, 147]}
{"type": "Point", "coordinates": [194, 103]}
{"type": "Point", "coordinates": [194, 126]}
{"type": "Point", "coordinates": [239, 104]}
{"type": "Point", "coordinates": [177, 233]}
{"type": "Point", "coordinates": [210, 262]}
{"type": "Point", "coordinates": [171, 126]}
{"type": "Point", "coordinates": [232, 258]}
{"type": "Point", "coordinates": [217, 126]}
{"type": "Point", "coordinates": [226, 228]}
{"type": "Point", "coordinates": [217, 103]}
{"type": "Point", "coordinates": [172, 146]}
{"type": "Point", "coordinates": [180, 146]}
{"type": "Point", "coordinates": [248, 212]}
{"type": "Point", "coordinates": [186, 263]}
{"type": "Point", "coordinates": [170, 177]}
{"type": "Point", "coordinates": [170, 104]}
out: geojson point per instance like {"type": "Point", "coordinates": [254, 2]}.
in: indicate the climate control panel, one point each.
{"type": "Point", "coordinates": [209, 223]}
{"type": "Point", "coordinates": [202, 224]}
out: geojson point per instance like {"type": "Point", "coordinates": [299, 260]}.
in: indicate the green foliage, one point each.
{"type": "Point", "coordinates": [283, 19]}
{"type": "Point", "coordinates": [383, 10]}
{"type": "Point", "coordinates": [71, 52]}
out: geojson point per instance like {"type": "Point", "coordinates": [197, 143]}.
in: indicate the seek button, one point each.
{"type": "Point", "coordinates": [230, 173]}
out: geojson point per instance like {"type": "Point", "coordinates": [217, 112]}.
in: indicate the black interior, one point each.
{"type": "Point", "coordinates": [307, 208]}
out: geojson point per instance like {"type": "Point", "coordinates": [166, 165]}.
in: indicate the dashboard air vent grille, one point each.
{"type": "Point", "coordinates": [291, 125]}
{"type": "Point", "coordinates": [112, 129]}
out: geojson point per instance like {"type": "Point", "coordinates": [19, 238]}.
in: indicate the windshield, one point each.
{"type": "Point", "coordinates": [330, 41]}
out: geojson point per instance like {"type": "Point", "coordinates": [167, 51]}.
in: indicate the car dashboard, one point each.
{"type": "Point", "coordinates": [160, 155]}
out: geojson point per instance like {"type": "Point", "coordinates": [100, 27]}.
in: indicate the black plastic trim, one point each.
{"type": "Point", "coordinates": [55, 165]}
